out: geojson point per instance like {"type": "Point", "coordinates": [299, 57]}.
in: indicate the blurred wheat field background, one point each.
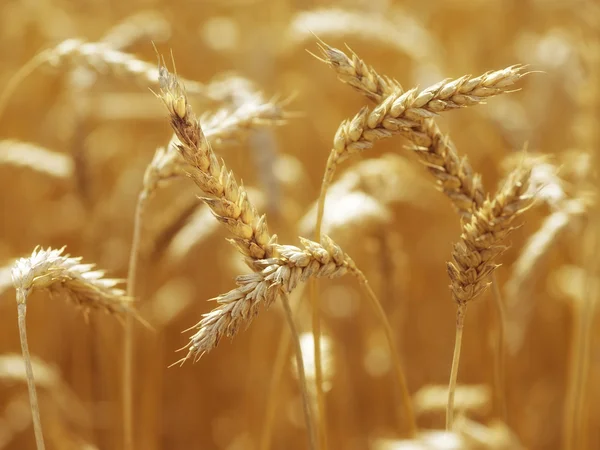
{"type": "Point", "coordinates": [80, 131]}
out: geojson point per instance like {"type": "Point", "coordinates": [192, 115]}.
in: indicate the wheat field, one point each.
{"type": "Point", "coordinates": [391, 206]}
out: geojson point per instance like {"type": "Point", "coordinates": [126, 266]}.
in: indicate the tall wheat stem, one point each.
{"type": "Point", "coordinates": [128, 350]}
{"type": "Point", "coordinates": [281, 357]}
{"type": "Point", "coordinates": [460, 321]}
{"type": "Point", "coordinates": [320, 395]}
{"type": "Point", "coordinates": [33, 400]}
{"type": "Point", "coordinates": [316, 317]}
{"type": "Point", "coordinates": [575, 416]}
{"type": "Point", "coordinates": [395, 355]}
{"type": "Point", "coordinates": [499, 353]}
{"type": "Point", "coordinates": [308, 415]}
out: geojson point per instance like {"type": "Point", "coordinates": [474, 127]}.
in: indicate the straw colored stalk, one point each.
{"type": "Point", "coordinates": [60, 274]}
{"type": "Point", "coordinates": [474, 257]}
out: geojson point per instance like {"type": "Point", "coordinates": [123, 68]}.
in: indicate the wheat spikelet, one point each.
{"type": "Point", "coordinates": [454, 175]}
{"type": "Point", "coordinates": [229, 201]}
{"type": "Point", "coordinates": [50, 269]}
{"type": "Point", "coordinates": [35, 157]}
{"type": "Point", "coordinates": [474, 256]}
{"type": "Point", "coordinates": [358, 74]}
{"type": "Point", "coordinates": [200, 226]}
{"type": "Point", "coordinates": [277, 274]}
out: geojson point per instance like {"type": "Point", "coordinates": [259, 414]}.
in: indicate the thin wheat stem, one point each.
{"type": "Point", "coordinates": [320, 395]}
{"type": "Point", "coordinates": [316, 315]}
{"type": "Point", "coordinates": [408, 412]}
{"type": "Point", "coordinates": [499, 353]}
{"type": "Point", "coordinates": [308, 415]}
{"type": "Point", "coordinates": [575, 409]}
{"type": "Point", "coordinates": [128, 349]}
{"type": "Point", "coordinates": [20, 75]}
{"type": "Point", "coordinates": [33, 400]}
{"type": "Point", "coordinates": [460, 321]}
{"type": "Point", "coordinates": [278, 367]}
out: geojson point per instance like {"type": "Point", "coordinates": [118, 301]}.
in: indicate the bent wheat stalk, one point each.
{"type": "Point", "coordinates": [474, 256]}
{"type": "Point", "coordinates": [63, 275]}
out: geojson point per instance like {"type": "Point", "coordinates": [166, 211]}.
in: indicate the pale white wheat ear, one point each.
{"type": "Point", "coordinates": [62, 275]}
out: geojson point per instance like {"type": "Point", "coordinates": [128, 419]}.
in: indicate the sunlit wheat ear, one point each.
{"type": "Point", "coordinates": [224, 126]}
{"type": "Point", "coordinates": [405, 112]}
{"type": "Point", "coordinates": [61, 275]}
{"type": "Point", "coordinates": [228, 200]}
{"type": "Point", "coordinates": [280, 273]}
{"type": "Point", "coordinates": [454, 175]}
{"type": "Point", "coordinates": [37, 158]}
{"type": "Point", "coordinates": [475, 256]}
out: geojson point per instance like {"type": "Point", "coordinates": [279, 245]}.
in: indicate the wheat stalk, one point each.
{"type": "Point", "coordinates": [61, 274]}
{"type": "Point", "coordinates": [474, 256]}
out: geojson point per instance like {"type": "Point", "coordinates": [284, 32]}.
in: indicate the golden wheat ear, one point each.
{"type": "Point", "coordinates": [475, 256]}
{"type": "Point", "coordinates": [61, 275]}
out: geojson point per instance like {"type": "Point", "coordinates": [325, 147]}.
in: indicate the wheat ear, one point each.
{"type": "Point", "coordinates": [474, 256]}
{"type": "Point", "coordinates": [231, 206]}
{"type": "Point", "coordinates": [400, 112]}
{"type": "Point", "coordinates": [98, 57]}
{"type": "Point", "coordinates": [454, 175]}
{"type": "Point", "coordinates": [60, 274]}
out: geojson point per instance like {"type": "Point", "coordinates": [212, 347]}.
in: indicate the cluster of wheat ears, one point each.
{"type": "Point", "coordinates": [486, 218]}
